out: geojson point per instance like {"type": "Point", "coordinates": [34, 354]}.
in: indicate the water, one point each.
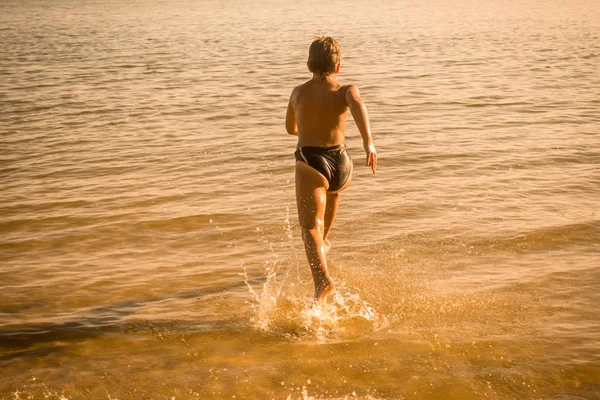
{"type": "Point", "coordinates": [149, 246]}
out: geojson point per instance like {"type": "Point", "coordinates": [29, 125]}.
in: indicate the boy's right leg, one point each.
{"type": "Point", "coordinates": [311, 201]}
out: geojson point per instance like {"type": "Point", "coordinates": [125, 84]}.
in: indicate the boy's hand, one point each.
{"type": "Point", "coordinates": [371, 157]}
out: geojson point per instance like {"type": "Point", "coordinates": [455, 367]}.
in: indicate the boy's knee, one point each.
{"type": "Point", "coordinates": [310, 235]}
{"type": "Point", "coordinates": [311, 229]}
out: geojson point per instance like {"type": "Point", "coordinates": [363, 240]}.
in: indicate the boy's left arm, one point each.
{"type": "Point", "coordinates": [290, 117]}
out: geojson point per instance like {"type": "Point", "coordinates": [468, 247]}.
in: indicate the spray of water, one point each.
{"type": "Point", "coordinates": [281, 307]}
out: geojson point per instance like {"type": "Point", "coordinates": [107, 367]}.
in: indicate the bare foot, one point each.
{"type": "Point", "coordinates": [326, 245]}
{"type": "Point", "coordinates": [323, 290]}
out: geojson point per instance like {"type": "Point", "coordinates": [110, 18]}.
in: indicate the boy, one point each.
{"type": "Point", "coordinates": [317, 113]}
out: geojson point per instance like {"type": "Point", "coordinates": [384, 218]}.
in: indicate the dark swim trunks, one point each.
{"type": "Point", "coordinates": [332, 162]}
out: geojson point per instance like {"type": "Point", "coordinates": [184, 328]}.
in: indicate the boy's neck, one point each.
{"type": "Point", "coordinates": [322, 77]}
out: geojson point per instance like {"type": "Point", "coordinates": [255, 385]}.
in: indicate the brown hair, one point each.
{"type": "Point", "coordinates": [324, 55]}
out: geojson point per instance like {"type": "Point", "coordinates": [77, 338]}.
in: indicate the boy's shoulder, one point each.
{"type": "Point", "coordinates": [302, 86]}
{"type": "Point", "coordinates": [351, 91]}
{"type": "Point", "coordinates": [299, 89]}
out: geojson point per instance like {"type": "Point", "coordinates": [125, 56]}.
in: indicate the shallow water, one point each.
{"type": "Point", "coordinates": [148, 238]}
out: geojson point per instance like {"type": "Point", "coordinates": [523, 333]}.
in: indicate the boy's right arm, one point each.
{"type": "Point", "coordinates": [359, 112]}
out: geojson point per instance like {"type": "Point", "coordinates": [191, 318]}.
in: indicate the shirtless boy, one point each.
{"type": "Point", "coordinates": [317, 114]}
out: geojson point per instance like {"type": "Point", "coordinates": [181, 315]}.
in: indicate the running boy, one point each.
{"type": "Point", "coordinates": [317, 113]}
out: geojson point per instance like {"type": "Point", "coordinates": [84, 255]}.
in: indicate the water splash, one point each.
{"type": "Point", "coordinates": [263, 305]}
{"type": "Point", "coordinates": [282, 307]}
{"type": "Point", "coordinates": [346, 315]}
{"type": "Point", "coordinates": [293, 315]}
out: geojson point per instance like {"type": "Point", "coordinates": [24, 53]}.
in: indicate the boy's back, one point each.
{"type": "Point", "coordinates": [320, 110]}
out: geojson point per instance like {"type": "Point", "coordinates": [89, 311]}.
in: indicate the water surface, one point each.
{"type": "Point", "coordinates": [149, 246]}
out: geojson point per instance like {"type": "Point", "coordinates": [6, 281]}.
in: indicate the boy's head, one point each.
{"type": "Point", "coordinates": [324, 56]}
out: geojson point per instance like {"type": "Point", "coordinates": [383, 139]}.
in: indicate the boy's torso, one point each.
{"type": "Point", "coordinates": [320, 108]}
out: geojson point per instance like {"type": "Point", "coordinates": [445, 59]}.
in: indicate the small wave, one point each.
{"type": "Point", "coordinates": [504, 104]}
{"type": "Point", "coordinates": [543, 238]}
